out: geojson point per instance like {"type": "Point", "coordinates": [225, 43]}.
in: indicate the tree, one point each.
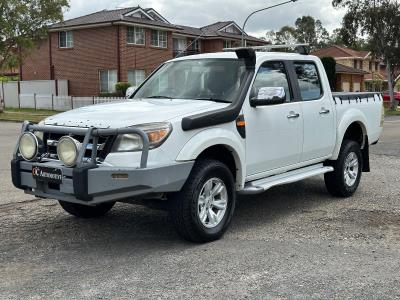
{"type": "Point", "coordinates": [22, 23]}
{"type": "Point", "coordinates": [379, 21]}
{"type": "Point", "coordinates": [286, 35]}
{"type": "Point", "coordinates": [307, 30]}
{"type": "Point", "coordinates": [311, 31]}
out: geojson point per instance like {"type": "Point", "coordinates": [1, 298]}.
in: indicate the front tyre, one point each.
{"type": "Point", "coordinates": [345, 179]}
{"type": "Point", "coordinates": [202, 210]}
{"type": "Point", "coordinates": [85, 211]}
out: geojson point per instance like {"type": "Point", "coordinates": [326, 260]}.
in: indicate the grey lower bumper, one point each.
{"type": "Point", "coordinates": [101, 184]}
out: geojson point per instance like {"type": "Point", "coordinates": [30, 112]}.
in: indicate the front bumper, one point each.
{"type": "Point", "coordinates": [101, 184]}
{"type": "Point", "coordinates": [91, 182]}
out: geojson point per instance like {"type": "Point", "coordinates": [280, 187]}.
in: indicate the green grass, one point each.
{"type": "Point", "coordinates": [22, 114]}
{"type": "Point", "coordinates": [392, 112]}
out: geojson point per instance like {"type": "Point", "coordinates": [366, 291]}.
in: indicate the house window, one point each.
{"type": "Point", "coordinates": [135, 35]}
{"type": "Point", "coordinates": [65, 39]}
{"type": "Point", "coordinates": [108, 80]}
{"type": "Point", "coordinates": [370, 65]}
{"type": "Point", "coordinates": [136, 77]}
{"type": "Point", "coordinates": [227, 44]}
{"type": "Point", "coordinates": [159, 38]}
{"type": "Point", "coordinates": [196, 46]}
{"type": "Point", "coordinates": [377, 67]}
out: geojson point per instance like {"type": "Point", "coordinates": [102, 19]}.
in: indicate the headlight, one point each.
{"type": "Point", "coordinates": [28, 146]}
{"type": "Point", "coordinates": [157, 133]}
{"type": "Point", "coordinates": [68, 150]}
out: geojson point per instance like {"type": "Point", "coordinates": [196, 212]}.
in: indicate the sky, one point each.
{"type": "Point", "coordinates": [199, 13]}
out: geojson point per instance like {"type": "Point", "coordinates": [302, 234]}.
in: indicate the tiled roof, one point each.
{"type": "Point", "coordinates": [216, 26]}
{"type": "Point", "coordinates": [212, 31]}
{"type": "Point", "coordinates": [106, 16]}
{"type": "Point", "coordinates": [119, 15]}
{"type": "Point", "coordinates": [370, 76]}
{"type": "Point", "coordinates": [339, 51]}
{"type": "Point", "coordinates": [342, 69]}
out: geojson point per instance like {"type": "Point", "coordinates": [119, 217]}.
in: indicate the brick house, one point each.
{"type": "Point", "coordinates": [97, 50]}
{"type": "Point", "coordinates": [356, 70]}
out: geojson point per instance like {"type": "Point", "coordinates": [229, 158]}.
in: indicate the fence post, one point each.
{"type": "Point", "coordinates": [19, 93]}
{"type": "Point", "coordinates": [34, 99]}
{"type": "Point", "coordinates": [72, 102]}
{"type": "Point", "coordinates": [93, 100]}
{"type": "Point", "coordinates": [52, 102]}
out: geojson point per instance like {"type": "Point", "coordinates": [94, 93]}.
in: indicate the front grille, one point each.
{"type": "Point", "coordinates": [103, 146]}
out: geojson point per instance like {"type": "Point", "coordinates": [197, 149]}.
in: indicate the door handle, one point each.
{"type": "Point", "coordinates": [293, 115]}
{"type": "Point", "coordinates": [324, 111]}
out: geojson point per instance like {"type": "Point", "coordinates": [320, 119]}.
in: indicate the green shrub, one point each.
{"type": "Point", "coordinates": [121, 88]}
{"type": "Point", "coordinates": [109, 95]}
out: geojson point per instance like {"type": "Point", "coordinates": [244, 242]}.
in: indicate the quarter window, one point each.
{"type": "Point", "coordinates": [271, 74]}
{"type": "Point", "coordinates": [159, 38]}
{"type": "Point", "coordinates": [309, 81]}
{"type": "Point", "coordinates": [136, 77]}
{"type": "Point", "coordinates": [135, 35]}
{"type": "Point", "coordinates": [108, 80]}
{"type": "Point", "coordinates": [65, 39]}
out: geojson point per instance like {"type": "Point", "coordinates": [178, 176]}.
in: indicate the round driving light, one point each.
{"type": "Point", "coordinates": [68, 150]}
{"type": "Point", "coordinates": [28, 146]}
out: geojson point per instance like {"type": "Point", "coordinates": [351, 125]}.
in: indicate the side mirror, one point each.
{"type": "Point", "coordinates": [130, 91]}
{"type": "Point", "coordinates": [269, 96]}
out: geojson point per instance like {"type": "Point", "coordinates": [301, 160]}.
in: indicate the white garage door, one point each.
{"type": "Point", "coordinates": [346, 86]}
{"type": "Point", "coordinates": [356, 87]}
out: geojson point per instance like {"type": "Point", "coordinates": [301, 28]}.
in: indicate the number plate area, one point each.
{"type": "Point", "coordinates": [52, 175]}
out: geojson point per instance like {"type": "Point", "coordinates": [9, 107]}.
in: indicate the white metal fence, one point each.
{"type": "Point", "coordinates": [62, 103]}
{"type": "Point", "coordinates": [46, 94]}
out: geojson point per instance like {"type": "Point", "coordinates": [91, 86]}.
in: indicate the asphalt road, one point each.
{"type": "Point", "coordinates": [294, 241]}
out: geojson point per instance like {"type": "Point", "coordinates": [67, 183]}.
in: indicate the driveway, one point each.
{"type": "Point", "coordinates": [293, 241]}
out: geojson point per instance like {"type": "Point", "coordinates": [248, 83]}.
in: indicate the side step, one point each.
{"type": "Point", "coordinates": [261, 185]}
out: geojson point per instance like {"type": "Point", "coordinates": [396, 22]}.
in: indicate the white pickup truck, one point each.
{"type": "Point", "coordinates": [197, 132]}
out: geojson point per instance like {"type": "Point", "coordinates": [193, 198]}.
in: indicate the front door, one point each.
{"type": "Point", "coordinates": [274, 134]}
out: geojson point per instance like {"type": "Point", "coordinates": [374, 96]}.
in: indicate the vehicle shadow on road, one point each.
{"type": "Point", "coordinates": [280, 202]}
{"type": "Point", "coordinates": [131, 226]}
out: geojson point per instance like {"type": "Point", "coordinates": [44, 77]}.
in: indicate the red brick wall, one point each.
{"type": "Point", "coordinates": [209, 46]}
{"type": "Point", "coordinates": [36, 64]}
{"type": "Point", "coordinates": [351, 78]}
{"type": "Point", "coordinates": [94, 49]}
{"type": "Point", "coordinates": [145, 57]}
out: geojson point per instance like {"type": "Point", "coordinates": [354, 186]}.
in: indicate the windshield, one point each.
{"type": "Point", "coordinates": [196, 79]}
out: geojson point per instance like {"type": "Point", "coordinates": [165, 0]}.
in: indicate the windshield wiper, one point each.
{"type": "Point", "coordinates": [214, 100]}
{"type": "Point", "coordinates": [159, 97]}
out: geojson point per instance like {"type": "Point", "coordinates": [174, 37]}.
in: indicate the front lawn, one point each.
{"type": "Point", "coordinates": [22, 114]}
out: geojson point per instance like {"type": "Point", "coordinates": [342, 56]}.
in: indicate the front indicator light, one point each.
{"type": "Point", "coordinates": [156, 132]}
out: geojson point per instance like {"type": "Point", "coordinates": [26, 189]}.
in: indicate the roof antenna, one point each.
{"type": "Point", "coordinates": [190, 45]}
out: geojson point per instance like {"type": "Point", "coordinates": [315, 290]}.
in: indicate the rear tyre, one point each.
{"type": "Point", "coordinates": [86, 212]}
{"type": "Point", "coordinates": [345, 179]}
{"type": "Point", "coordinates": [202, 211]}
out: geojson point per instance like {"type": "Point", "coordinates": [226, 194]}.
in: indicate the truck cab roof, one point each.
{"type": "Point", "coordinates": [261, 56]}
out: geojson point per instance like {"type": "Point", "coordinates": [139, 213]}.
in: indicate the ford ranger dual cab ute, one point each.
{"type": "Point", "coordinates": [200, 130]}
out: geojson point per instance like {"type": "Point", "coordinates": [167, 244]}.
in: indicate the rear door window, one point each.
{"type": "Point", "coordinates": [309, 81]}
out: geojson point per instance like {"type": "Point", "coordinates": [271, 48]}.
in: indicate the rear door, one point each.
{"type": "Point", "coordinates": [317, 110]}
{"type": "Point", "coordinates": [274, 134]}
